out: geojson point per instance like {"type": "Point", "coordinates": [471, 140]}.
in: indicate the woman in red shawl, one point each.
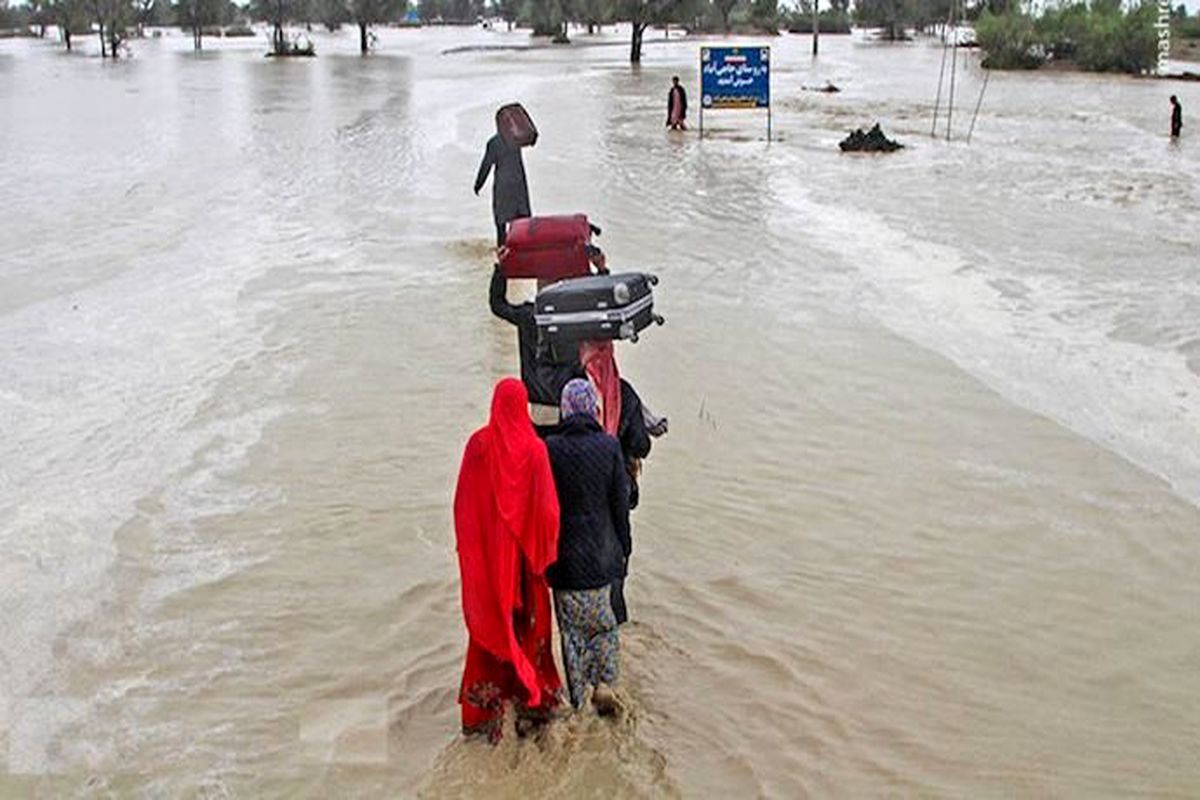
{"type": "Point", "coordinates": [506, 525]}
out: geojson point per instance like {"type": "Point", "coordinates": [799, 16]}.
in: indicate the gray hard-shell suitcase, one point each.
{"type": "Point", "coordinates": [597, 307]}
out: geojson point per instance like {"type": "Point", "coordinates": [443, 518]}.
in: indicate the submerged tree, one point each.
{"type": "Point", "coordinates": [195, 15]}
{"type": "Point", "coordinates": [507, 10]}
{"type": "Point", "coordinates": [641, 14]}
{"type": "Point", "coordinates": [366, 13]}
{"type": "Point", "coordinates": [111, 18]}
{"type": "Point", "coordinates": [277, 14]}
{"type": "Point", "coordinates": [69, 16]}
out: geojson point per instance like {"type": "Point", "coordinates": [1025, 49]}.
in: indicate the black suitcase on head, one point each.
{"type": "Point", "coordinates": [597, 307]}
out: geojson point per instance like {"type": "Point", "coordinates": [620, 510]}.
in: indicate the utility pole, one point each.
{"type": "Point", "coordinates": [816, 25]}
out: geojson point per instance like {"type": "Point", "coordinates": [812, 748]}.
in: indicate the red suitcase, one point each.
{"type": "Point", "coordinates": [549, 248]}
{"type": "Point", "coordinates": [515, 126]}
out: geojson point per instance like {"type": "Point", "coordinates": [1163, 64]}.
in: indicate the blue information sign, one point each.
{"type": "Point", "coordinates": [735, 77]}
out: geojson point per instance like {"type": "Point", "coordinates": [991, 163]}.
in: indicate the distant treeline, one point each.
{"type": "Point", "coordinates": [1100, 36]}
{"type": "Point", "coordinates": [1097, 35]}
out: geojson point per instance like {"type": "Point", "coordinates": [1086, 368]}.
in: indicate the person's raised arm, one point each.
{"type": "Point", "coordinates": [485, 166]}
{"type": "Point", "coordinates": [498, 300]}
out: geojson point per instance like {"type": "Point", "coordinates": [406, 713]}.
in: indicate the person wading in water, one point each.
{"type": "Point", "coordinates": [506, 518]}
{"type": "Point", "coordinates": [1176, 117]}
{"type": "Point", "coordinates": [593, 545]}
{"type": "Point", "coordinates": [510, 191]}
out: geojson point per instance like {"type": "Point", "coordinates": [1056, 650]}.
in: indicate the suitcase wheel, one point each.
{"type": "Point", "coordinates": [652, 279]}
{"type": "Point", "coordinates": [658, 320]}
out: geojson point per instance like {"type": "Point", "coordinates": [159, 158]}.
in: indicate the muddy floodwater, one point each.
{"type": "Point", "coordinates": [925, 523]}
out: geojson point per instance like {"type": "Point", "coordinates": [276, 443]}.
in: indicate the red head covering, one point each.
{"type": "Point", "coordinates": [505, 512]}
{"type": "Point", "coordinates": [601, 368]}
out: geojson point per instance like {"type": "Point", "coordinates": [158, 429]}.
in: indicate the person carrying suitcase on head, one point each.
{"type": "Point", "coordinates": [545, 370]}
{"type": "Point", "coordinates": [510, 191]}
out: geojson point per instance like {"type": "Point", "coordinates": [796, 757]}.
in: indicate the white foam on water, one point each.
{"type": "Point", "coordinates": [1047, 350]}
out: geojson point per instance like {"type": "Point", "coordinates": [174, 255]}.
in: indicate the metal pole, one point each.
{"type": "Point", "coordinates": [953, 67]}
{"type": "Point", "coordinates": [986, 75]}
{"type": "Point", "coordinates": [941, 76]}
{"type": "Point", "coordinates": [816, 25]}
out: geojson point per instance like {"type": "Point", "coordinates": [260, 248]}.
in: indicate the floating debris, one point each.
{"type": "Point", "coordinates": [873, 141]}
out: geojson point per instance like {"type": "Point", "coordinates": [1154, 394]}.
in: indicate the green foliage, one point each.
{"type": "Point", "coordinates": [892, 16]}
{"type": "Point", "coordinates": [195, 15]}
{"type": "Point", "coordinates": [1186, 27]}
{"type": "Point", "coordinates": [1101, 37]}
{"type": "Point", "coordinates": [1010, 41]}
{"type": "Point", "coordinates": [832, 20]}
{"type": "Point", "coordinates": [450, 10]}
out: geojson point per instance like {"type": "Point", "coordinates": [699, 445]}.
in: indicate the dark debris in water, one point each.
{"type": "Point", "coordinates": [873, 141]}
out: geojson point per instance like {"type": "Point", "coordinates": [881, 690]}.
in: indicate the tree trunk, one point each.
{"type": "Point", "coordinates": [197, 38]}
{"type": "Point", "coordinates": [363, 46]}
{"type": "Point", "coordinates": [591, 28]}
{"type": "Point", "coordinates": [635, 45]}
{"type": "Point", "coordinates": [66, 32]}
{"type": "Point", "coordinates": [103, 45]}
{"type": "Point", "coordinates": [113, 41]}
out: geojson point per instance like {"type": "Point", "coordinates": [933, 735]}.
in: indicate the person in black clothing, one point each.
{"type": "Point", "coordinates": [593, 544]}
{"type": "Point", "coordinates": [635, 446]}
{"type": "Point", "coordinates": [544, 370]}
{"type": "Point", "coordinates": [1176, 117]}
{"type": "Point", "coordinates": [510, 191]}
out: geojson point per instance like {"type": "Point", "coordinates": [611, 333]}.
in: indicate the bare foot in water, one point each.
{"type": "Point", "coordinates": [605, 701]}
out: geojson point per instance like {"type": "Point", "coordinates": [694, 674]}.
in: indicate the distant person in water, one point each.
{"type": "Point", "coordinates": [506, 519]}
{"type": "Point", "coordinates": [1176, 117]}
{"type": "Point", "coordinates": [676, 106]}
{"type": "Point", "coordinates": [510, 191]}
{"type": "Point", "coordinates": [593, 545]}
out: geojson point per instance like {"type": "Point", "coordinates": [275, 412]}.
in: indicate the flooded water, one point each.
{"type": "Point", "coordinates": [925, 523]}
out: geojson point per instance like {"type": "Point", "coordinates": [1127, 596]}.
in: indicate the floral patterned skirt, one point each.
{"type": "Point", "coordinates": [488, 682]}
{"type": "Point", "coordinates": [590, 641]}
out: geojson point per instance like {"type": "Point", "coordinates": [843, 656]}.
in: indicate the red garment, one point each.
{"type": "Point", "coordinates": [601, 367]}
{"type": "Point", "coordinates": [506, 526]}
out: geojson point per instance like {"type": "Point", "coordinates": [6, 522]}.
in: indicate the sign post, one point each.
{"type": "Point", "coordinates": [733, 78]}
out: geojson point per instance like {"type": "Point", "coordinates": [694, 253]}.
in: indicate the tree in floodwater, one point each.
{"type": "Point", "coordinates": [641, 14]}
{"type": "Point", "coordinates": [70, 16]}
{"type": "Point", "coordinates": [278, 13]}
{"type": "Point", "coordinates": [195, 15]}
{"type": "Point", "coordinates": [366, 13]}
{"type": "Point", "coordinates": [893, 16]}
{"type": "Point", "coordinates": [592, 13]}
{"type": "Point", "coordinates": [111, 18]}
{"type": "Point", "coordinates": [507, 10]}
{"type": "Point", "coordinates": [38, 15]}
{"type": "Point", "coordinates": [725, 8]}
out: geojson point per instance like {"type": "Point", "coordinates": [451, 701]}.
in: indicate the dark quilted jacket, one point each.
{"type": "Point", "coordinates": [593, 495]}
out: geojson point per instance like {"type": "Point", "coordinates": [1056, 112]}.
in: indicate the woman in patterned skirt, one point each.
{"type": "Point", "coordinates": [593, 544]}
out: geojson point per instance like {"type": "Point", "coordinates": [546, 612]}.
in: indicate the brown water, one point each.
{"type": "Point", "coordinates": [925, 522]}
